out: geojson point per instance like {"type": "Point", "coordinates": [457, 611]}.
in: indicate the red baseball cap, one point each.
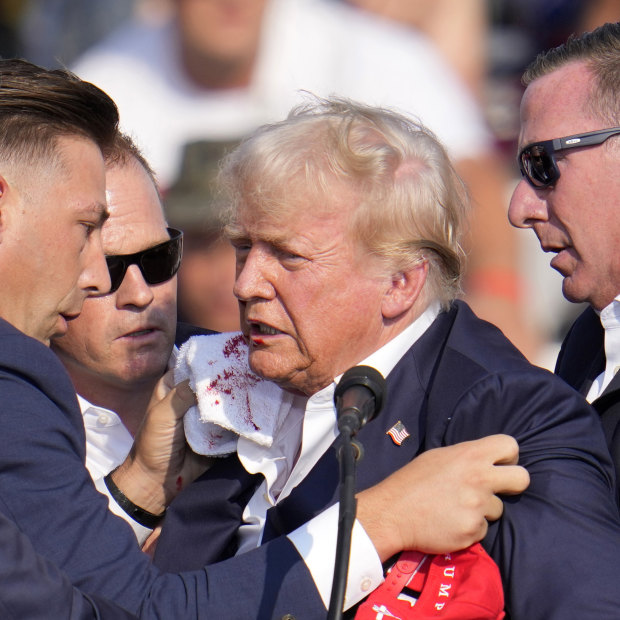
{"type": "Point", "coordinates": [464, 585]}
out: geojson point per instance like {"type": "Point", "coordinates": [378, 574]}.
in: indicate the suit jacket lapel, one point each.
{"type": "Point", "coordinates": [407, 390]}
{"type": "Point", "coordinates": [582, 357]}
{"type": "Point", "coordinates": [213, 503]}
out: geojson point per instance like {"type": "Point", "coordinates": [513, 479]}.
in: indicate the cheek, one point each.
{"type": "Point", "coordinates": [165, 300]}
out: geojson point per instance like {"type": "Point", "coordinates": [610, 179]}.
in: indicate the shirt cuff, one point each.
{"type": "Point", "coordinates": [141, 532]}
{"type": "Point", "coordinates": [316, 540]}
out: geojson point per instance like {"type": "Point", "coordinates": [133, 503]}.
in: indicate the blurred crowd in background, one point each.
{"type": "Point", "coordinates": [192, 77]}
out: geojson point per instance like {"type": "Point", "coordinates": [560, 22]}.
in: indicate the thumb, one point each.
{"type": "Point", "coordinates": [184, 396]}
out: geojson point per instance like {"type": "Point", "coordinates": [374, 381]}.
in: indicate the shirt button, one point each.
{"type": "Point", "coordinates": [104, 419]}
{"type": "Point", "coordinates": [366, 584]}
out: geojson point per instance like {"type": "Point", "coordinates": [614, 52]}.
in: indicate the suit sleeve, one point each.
{"type": "Point", "coordinates": [557, 544]}
{"type": "Point", "coordinates": [47, 493]}
{"type": "Point", "coordinates": [31, 587]}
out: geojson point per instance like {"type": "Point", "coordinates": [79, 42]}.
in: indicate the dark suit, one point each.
{"type": "Point", "coordinates": [31, 587]}
{"type": "Point", "coordinates": [557, 545]}
{"type": "Point", "coordinates": [47, 493]}
{"type": "Point", "coordinates": [185, 331]}
{"type": "Point", "coordinates": [580, 361]}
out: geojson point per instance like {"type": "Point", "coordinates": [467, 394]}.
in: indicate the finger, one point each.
{"type": "Point", "coordinates": [508, 450]}
{"type": "Point", "coordinates": [475, 535]}
{"type": "Point", "coordinates": [168, 379]}
{"type": "Point", "coordinates": [178, 400]}
{"type": "Point", "coordinates": [494, 509]}
{"type": "Point", "coordinates": [164, 385]}
{"type": "Point", "coordinates": [184, 392]}
{"type": "Point", "coordinates": [509, 479]}
{"type": "Point", "coordinates": [498, 449]}
{"type": "Point", "coordinates": [182, 395]}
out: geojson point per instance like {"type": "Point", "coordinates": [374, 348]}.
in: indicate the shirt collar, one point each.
{"type": "Point", "coordinates": [385, 358]}
{"type": "Point", "coordinates": [610, 314]}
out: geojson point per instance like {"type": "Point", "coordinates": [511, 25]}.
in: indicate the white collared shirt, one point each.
{"type": "Point", "coordinates": [610, 319]}
{"type": "Point", "coordinates": [310, 427]}
{"type": "Point", "coordinates": [107, 445]}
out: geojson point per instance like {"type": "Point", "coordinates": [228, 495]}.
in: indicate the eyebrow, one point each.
{"type": "Point", "coordinates": [100, 210]}
{"type": "Point", "coordinates": [237, 233]}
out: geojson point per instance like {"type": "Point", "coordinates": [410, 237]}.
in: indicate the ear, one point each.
{"type": "Point", "coordinates": [404, 291]}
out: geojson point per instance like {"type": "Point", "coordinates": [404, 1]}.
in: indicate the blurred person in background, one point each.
{"type": "Point", "coordinates": [453, 27]}
{"type": "Point", "coordinates": [216, 69]}
{"type": "Point", "coordinates": [208, 268]}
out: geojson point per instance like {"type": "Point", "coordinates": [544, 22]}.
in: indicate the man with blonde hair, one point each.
{"type": "Point", "coordinates": [346, 222]}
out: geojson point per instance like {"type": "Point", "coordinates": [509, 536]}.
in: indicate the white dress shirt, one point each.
{"type": "Point", "coordinates": [610, 319]}
{"type": "Point", "coordinates": [107, 445]}
{"type": "Point", "coordinates": [309, 428]}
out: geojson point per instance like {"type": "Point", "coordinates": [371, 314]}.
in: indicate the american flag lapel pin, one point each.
{"type": "Point", "coordinates": [398, 433]}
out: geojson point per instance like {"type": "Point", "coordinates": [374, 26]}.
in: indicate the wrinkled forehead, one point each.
{"type": "Point", "coordinates": [284, 202]}
{"type": "Point", "coordinates": [557, 105]}
{"type": "Point", "coordinates": [136, 217]}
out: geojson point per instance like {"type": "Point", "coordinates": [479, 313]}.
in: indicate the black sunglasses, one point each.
{"type": "Point", "coordinates": [537, 162]}
{"type": "Point", "coordinates": [157, 264]}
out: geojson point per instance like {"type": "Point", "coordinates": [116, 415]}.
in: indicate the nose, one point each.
{"type": "Point", "coordinates": [255, 275]}
{"type": "Point", "coordinates": [95, 277]}
{"type": "Point", "coordinates": [134, 290]}
{"type": "Point", "coordinates": [526, 206]}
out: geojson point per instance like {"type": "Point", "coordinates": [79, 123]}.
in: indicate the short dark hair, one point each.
{"type": "Point", "coordinates": [600, 51]}
{"type": "Point", "coordinates": [123, 150]}
{"type": "Point", "coordinates": [38, 105]}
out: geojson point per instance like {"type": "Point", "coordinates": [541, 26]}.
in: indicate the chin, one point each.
{"type": "Point", "coordinates": [267, 370]}
{"type": "Point", "coordinates": [573, 293]}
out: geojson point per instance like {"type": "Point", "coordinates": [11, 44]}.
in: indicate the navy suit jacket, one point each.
{"type": "Point", "coordinates": [48, 495]}
{"type": "Point", "coordinates": [557, 545]}
{"type": "Point", "coordinates": [580, 361]}
{"type": "Point", "coordinates": [185, 331]}
{"type": "Point", "coordinates": [32, 587]}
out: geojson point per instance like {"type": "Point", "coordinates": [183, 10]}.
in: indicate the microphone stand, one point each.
{"type": "Point", "coordinates": [358, 397]}
{"type": "Point", "coordinates": [348, 454]}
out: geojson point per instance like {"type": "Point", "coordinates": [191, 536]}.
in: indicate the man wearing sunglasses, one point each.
{"type": "Point", "coordinates": [119, 347]}
{"type": "Point", "coordinates": [569, 157]}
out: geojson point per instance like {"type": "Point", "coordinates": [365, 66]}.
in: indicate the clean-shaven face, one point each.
{"type": "Point", "coordinates": [576, 219]}
{"type": "Point", "coordinates": [52, 239]}
{"type": "Point", "coordinates": [126, 336]}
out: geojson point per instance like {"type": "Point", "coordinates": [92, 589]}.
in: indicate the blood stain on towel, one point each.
{"type": "Point", "coordinates": [236, 378]}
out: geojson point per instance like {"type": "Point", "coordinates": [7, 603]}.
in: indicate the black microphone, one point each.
{"type": "Point", "coordinates": [359, 397]}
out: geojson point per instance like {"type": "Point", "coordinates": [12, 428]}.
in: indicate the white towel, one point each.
{"type": "Point", "coordinates": [232, 400]}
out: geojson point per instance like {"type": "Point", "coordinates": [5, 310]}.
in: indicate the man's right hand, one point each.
{"type": "Point", "coordinates": [442, 500]}
{"type": "Point", "coordinates": [160, 462]}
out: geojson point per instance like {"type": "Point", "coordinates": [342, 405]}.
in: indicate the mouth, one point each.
{"type": "Point", "coordinates": [557, 249]}
{"type": "Point", "coordinates": [549, 248]}
{"type": "Point", "coordinates": [140, 333]}
{"type": "Point", "coordinates": [564, 258]}
{"type": "Point", "coordinates": [258, 330]}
